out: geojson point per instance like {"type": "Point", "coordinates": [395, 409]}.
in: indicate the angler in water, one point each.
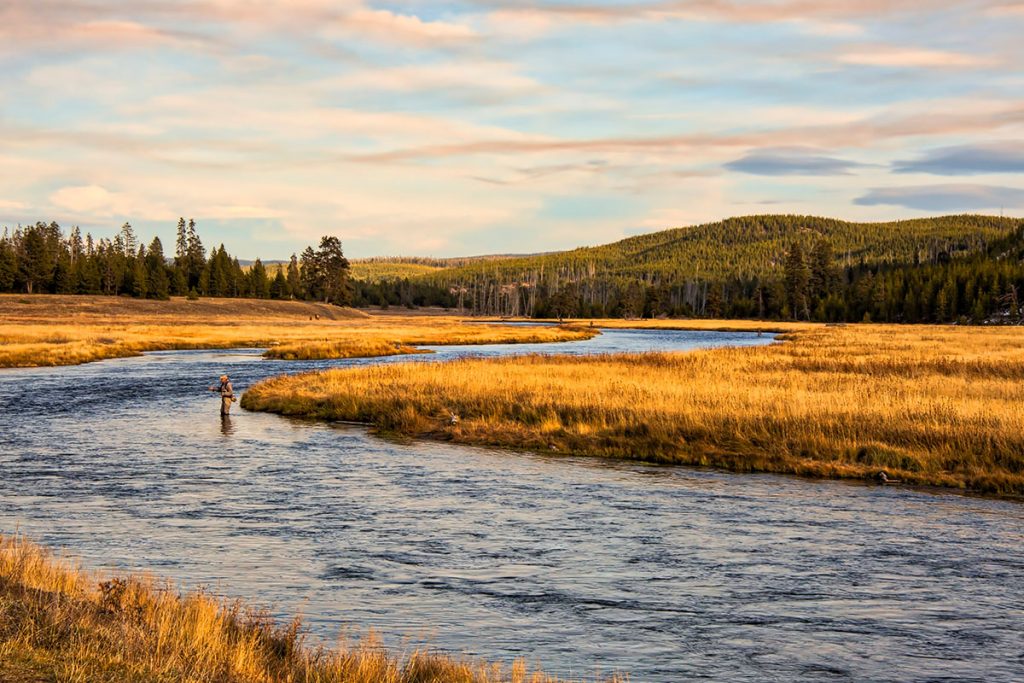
{"type": "Point", "coordinates": [227, 394]}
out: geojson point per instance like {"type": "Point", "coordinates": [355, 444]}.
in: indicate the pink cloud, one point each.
{"type": "Point", "coordinates": [865, 131]}
{"type": "Point", "coordinates": [897, 57]}
{"type": "Point", "coordinates": [115, 24]}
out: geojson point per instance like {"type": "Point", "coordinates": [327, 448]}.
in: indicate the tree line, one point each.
{"type": "Point", "coordinates": [972, 278]}
{"type": "Point", "coordinates": [952, 269]}
{"type": "Point", "coordinates": [40, 258]}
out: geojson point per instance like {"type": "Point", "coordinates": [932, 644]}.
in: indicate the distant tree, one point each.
{"type": "Point", "coordinates": [63, 272]}
{"type": "Point", "coordinates": [294, 279]}
{"type": "Point", "coordinates": [8, 264]}
{"type": "Point", "coordinates": [140, 276]}
{"type": "Point", "coordinates": [35, 264]}
{"type": "Point", "coordinates": [823, 272]}
{"type": "Point", "coordinates": [156, 271]}
{"type": "Point", "coordinates": [797, 277]}
{"type": "Point", "coordinates": [279, 286]}
{"type": "Point", "coordinates": [195, 255]}
{"type": "Point", "coordinates": [128, 240]}
{"type": "Point", "coordinates": [259, 284]}
{"type": "Point", "coordinates": [180, 277]}
{"type": "Point", "coordinates": [564, 304]}
{"type": "Point", "coordinates": [331, 279]}
{"type": "Point", "coordinates": [309, 274]}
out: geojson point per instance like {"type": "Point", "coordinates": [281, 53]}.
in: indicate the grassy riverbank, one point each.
{"type": "Point", "coordinates": [928, 405]}
{"type": "Point", "coordinates": [60, 623]}
{"type": "Point", "coordinates": [43, 330]}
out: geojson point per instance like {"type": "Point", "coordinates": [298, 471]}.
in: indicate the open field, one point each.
{"type": "Point", "coordinates": [67, 330]}
{"type": "Point", "coordinates": [927, 405]}
{"type": "Point", "coordinates": [60, 623]}
{"type": "Point", "coordinates": [701, 324]}
{"type": "Point", "coordinates": [384, 269]}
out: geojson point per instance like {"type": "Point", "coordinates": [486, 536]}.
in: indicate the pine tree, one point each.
{"type": "Point", "coordinates": [195, 255]}
{"type": "Point", "coordinates": [797, 277]}
{"type": "Point", "coordinates": [279, 286]}
{"type": "Point", "coordinates": [35, 265]}
{"type": "Point", "coordinates": [158, 282]}
{"type": "Point", "coordinates": [129, 241]}
{"type": "Point", "coordinates": [259, 285]}
{"type": "Point", "coordinates": [309, 274]}
{"type": "Point", "coordinates": [140, 284]}
{"type": "Point", "coordinates": [332, 273]}
{"type": "Point", "coordinates": [8, 264]}
{"type": "Point", "coordinates": [294, 279]}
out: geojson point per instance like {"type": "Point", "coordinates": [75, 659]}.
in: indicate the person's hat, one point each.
{"type": "Point", "coordinates": [223, 376]}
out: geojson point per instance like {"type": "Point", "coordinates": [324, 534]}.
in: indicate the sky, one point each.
{"type": "Point", "coordinates": [502, 126]}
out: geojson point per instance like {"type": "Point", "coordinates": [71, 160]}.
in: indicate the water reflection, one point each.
{"type": "Point", "coordinates": [227, 425]}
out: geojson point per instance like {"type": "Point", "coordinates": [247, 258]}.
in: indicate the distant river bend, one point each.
{"type": "Point", "coordinates": [581, 565]}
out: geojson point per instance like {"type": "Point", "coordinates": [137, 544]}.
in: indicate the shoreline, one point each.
{"type": "Point", "coordinates": [58, 330]}
{"type": "Point", "coordinates": [797, 407]}
{"type": "Point", "coordinates": [59, 621]}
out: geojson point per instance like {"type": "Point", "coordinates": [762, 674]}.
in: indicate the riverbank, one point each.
{"type": "Point", "coordinates": [59, 622]}
{"type": "Point", "coordinates": [47, 330]}
{"type": "Point", "coordinates": [932, 406]}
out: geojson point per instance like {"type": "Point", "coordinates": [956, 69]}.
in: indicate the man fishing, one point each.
{"type": "Point", "coordinates": [227, 394]}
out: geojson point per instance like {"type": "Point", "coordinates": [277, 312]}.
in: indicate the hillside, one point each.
{"type": "Point", "coordinates": [747, 247]}
{"type": "Point", "coordinates": [732, 267]}
{"type": "Point", "coordinates": [398, 267]}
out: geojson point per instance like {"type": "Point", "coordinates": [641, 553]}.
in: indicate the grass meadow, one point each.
{"type": "Point", "coordinates": [927, 405]}
{"type": "Point", "coordinates": [43, 330]}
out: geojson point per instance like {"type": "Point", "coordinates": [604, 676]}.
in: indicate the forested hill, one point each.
{"type": "Point", "coordinates": [745, 247]}
{"type": "Point", "coordinates": [740, 267]}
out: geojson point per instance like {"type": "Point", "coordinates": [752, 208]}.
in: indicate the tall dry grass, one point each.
{"type": "Point", "coordinates": [59, 623]}
{"type": "Point", "coordinates": [927, 405]}
{"type": "Point", "coordinates": [66, 330]}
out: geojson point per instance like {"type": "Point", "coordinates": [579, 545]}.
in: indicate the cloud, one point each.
{"type": "Point", "coordinates": [952, 197]}
{"type": "Point", "coordinates": [88, 199]}
{"type": "Point", "coordinates": [993, 157]}
{"type": "Point", "coordinates": [487, 77]}
{"type": "Point", "coordinates": [116, 25]}
{"type": "Point", "coordinates": [902, 122]}
{"type": "Point", "coordinates": [1010, 9]}
{"type": "Point", "coordinates": [8, 204]}
{"type": "Point", "coordinates": [912, 58]}
{"type": "Point", "coordinates": [405, 28]}
{"type": "Point", "coordinates": [791, 161]}
{"type": "Point", "coordinates": [713, 10]}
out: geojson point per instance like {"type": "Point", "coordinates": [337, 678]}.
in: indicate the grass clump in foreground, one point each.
{"type": "Point", "coordinates": [58, 622]}
{"type": "Point", "coordinates": [927, 405]}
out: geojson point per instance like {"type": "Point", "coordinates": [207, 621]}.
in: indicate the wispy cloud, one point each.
{"type": "Point", "coordinates": [719, 10]}
{"type": "Point", "coordinates": [981, 158]}
{"type": "Point", "coordinates": [953, 197]}
{"type": "Point", "coordinates": [791, 161]}
{"type": "Point", "coordinates": [119, 24]}
{"type": "Point", "coordinates": [488, 79]}
{"type": "Point", "coordinates": [913, 58]}
{"type": "Point", "coordinates": [871, 129]}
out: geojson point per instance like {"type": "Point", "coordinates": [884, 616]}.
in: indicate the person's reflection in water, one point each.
{"type": "Point", "coordinates": [227, 427]}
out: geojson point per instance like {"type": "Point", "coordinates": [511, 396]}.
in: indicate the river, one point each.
{"type": "Point", "coordinates": [581, 565]}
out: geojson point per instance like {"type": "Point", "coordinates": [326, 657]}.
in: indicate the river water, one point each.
{"type": "Point", "coordinates": [581, 565]}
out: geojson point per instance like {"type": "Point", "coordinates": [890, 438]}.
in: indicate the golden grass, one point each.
{"type": "Point", "coordinates": [378, 270]}
{"type": "Point", "coordinates": [707, 325]}
{"type": "Point", "coordinates": [928, 405]}
{"type": "Point", "coordinates": [67, 330]}
{"type": "Point", "coordinates": [60, 623]}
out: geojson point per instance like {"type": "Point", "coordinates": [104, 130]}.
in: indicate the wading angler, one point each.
{"type": "Point", "coordinates": [227, 394]}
